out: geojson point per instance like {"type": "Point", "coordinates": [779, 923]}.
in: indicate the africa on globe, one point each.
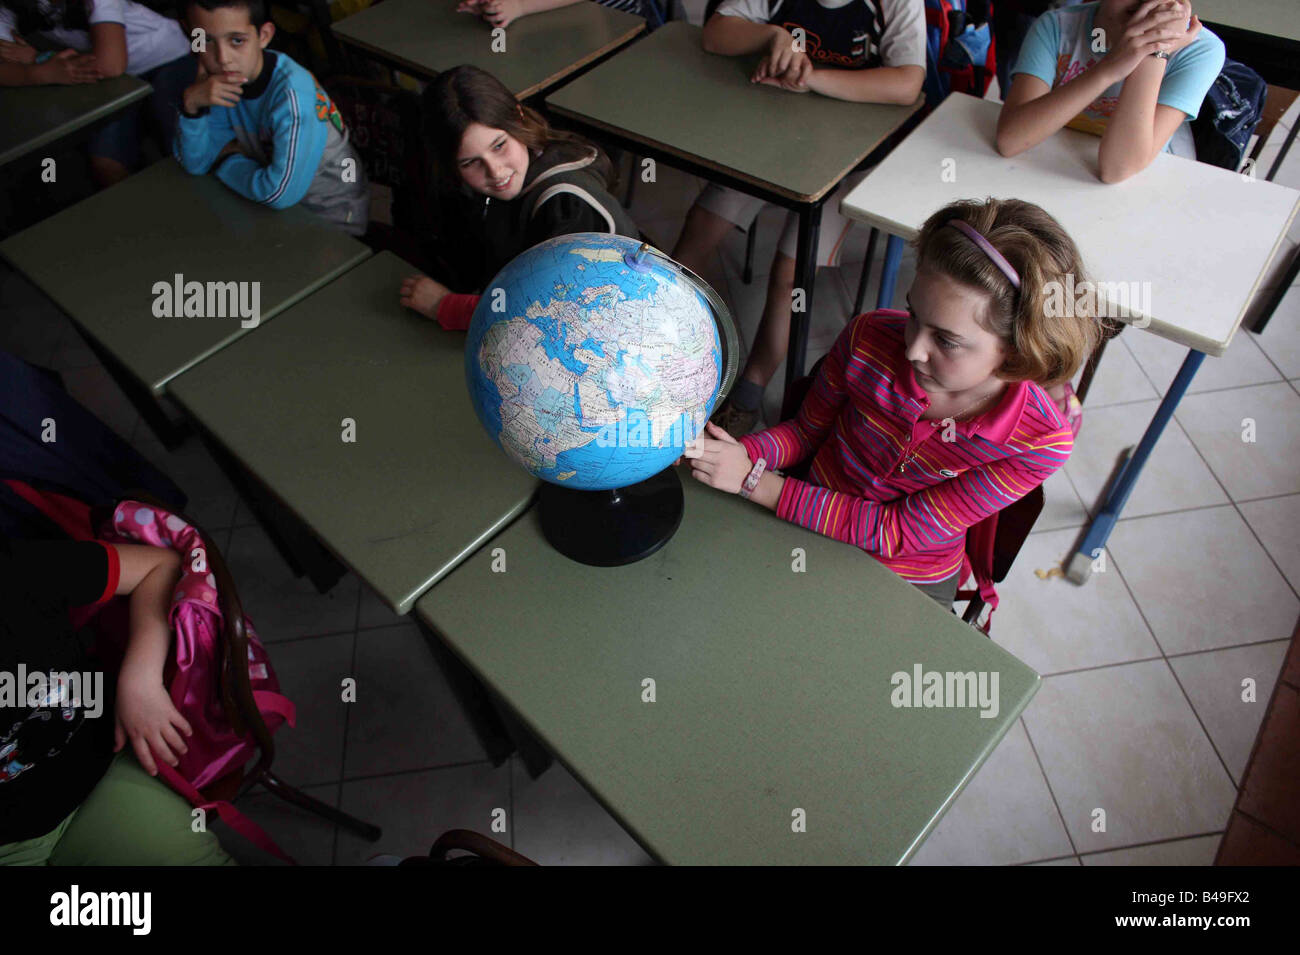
{"type": "Point", "coordinates": [591, 365]}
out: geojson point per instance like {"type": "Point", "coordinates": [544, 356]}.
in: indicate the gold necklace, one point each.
{"type": "Point", "coordinates": [902, 465]}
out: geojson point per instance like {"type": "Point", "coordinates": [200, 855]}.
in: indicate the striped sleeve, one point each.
{"type": "Point", "coordinates": [299, 143]}
{"type": "Point", "coordinates": [932, 519]}
{"type": "Point", "coordinates": [797, 439]}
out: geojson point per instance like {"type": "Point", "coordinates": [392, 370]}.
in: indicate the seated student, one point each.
{"type": "Point", "coordinates": [263, 124]}
{"type": "Point", "coordinates": [65, 799]}
{"type": "Point", "coordinates": [920, 424]}
{"type": "Point", "coordinates": [854, 50]}
{"type": "Point", "coordinates": [100, 39]}
{"type": "Point", "coordinates": [528, 183]}
{"type": "Point", "coordinates": [1133, 73]}
{"type": "Point", "coordinates": [502, 13]}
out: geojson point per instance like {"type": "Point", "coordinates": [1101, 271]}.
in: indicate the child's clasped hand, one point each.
{"type": "Point", "coordinates": [718, 460]}
{"type": "Point", "coordinates": [146, 716]}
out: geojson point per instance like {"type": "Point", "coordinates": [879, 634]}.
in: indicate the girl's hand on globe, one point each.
{"type": "Point", "coordinates": [719, 461]}
{"type": "Point", "coordinates": [422, 294]}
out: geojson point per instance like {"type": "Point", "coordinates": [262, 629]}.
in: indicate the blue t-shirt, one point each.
{"type": "Point", "coordinates": [1059, 46]}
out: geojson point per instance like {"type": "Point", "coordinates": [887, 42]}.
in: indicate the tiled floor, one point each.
{"type": "Point", "coordinates": [1130, 753]}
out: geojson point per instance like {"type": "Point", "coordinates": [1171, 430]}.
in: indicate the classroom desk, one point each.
{"type": "Point", "coordinates": [99, 260]}
{"type": "Point", "coordinates": [1201, 236]}
{"type": "Point", "coordinates": [773, 687]}
{"type": "Point", "coordinates": [425, 37]}
{"type": "Point", "coordinates": [36, 116]}
{"type": "Point", "coordinates": [421, 487]}
{"type": "Point", "coordinates": [666, 97]}
{"type": "Point", "coordinates": [1263, 34]}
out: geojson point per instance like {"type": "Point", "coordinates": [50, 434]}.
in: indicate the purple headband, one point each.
{"type": "Point", "coordinates": [996, 257]}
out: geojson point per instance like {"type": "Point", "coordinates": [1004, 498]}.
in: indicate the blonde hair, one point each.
{"type": "Point", "coordinates": [1042, 348]}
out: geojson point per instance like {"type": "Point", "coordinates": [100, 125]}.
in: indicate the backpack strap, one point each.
{"type": "Point", "coordinates": [574, 190]}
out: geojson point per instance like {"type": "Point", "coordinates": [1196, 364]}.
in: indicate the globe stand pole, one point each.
{"type": "Point", "coordinates": [612, 528]}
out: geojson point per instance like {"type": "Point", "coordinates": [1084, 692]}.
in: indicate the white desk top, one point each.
{"type": "Point", "coordinates": [1201, 235]}
{"type": "Point", "coordinates": [1280, 18]}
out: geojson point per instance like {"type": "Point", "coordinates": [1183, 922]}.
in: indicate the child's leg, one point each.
{"type": "Point", "coordinates": [716, 212]}
{"type": "Point", "coordinates": [115, 148]}
{"type": "Point", "coordinates": [132, 818]}
{"type": "Point", "coordinates": [35, 851]}
{"type": "Point", "coordinates": [943, 592]}
{"type": "Point", "coordinates": [773, 335]}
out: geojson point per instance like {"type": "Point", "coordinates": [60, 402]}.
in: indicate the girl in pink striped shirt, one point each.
{"type": "Point", "coordinates": [921, 423]}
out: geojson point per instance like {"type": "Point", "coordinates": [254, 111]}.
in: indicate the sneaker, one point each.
{"type": "Point", "coordinates": [737, 422]}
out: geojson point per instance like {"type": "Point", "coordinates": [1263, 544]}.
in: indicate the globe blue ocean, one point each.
{"type": "Point", "coordinates": [589, 370]}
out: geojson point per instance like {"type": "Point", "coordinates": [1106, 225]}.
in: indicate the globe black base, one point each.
{"type": "Point", "coordinates": [611, 528]}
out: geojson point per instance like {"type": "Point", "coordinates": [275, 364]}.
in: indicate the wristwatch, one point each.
{"type": "Point", "coordinates": [1160, 55]}
{"type": "Point", "coordinates": [751, 480]}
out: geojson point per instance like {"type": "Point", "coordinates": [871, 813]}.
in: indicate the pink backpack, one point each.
{"type": "Point", "coordinates": [216, 748]}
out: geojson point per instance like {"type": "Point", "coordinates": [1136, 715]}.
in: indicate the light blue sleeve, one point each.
{"type": "Point", "coordinates": [298, 144]}
{"type": "Point", "coordinates": [1191, 72]}
{"type": "Point", "coordinates": [199, 139]}
{"type": "Point", "coordinates": [1040, 48]}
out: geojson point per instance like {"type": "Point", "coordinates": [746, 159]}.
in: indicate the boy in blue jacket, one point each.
{"type": "Point", "coordinates": [262, 123]}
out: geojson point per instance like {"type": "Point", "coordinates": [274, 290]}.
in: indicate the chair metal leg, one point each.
{"type": "Point", "coordinates": [1089, 370]}
{"type": "Point", "coordinates": [866, 271]}
{"type": "Point", "coordinates": [279, 787]}
{"type": "Point", "coordinates": [748, 273]}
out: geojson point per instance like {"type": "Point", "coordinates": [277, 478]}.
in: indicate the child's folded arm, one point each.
{"type": "Point", "coordinates": [926, 518]}
{"type": "Point", "coordinates": [899, 85]}
{"type": "Point", "coordinates": [299, 143]}
{"type": "Point", "coordinates": [1034, 111]}
{"type": "Point", "coordinates": [200, 139]}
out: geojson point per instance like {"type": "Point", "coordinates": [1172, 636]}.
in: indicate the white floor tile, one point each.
{"type": "Point", "coordinates": [1280, 339]}
{"type": "Point", "coordinates": [212, 499]}
{"type": "Point", "coordinates": [1054, 625]}
{"type": "Point", "coordinates": [1202, 580]}
{"type": "Point", "coordinates": [1175, 477]}
{"type": "Point", "coordinates": [1061, 507]}
{"type": "Point", "coordinates": [1180, 852]}
{"type": "Point", "coordinates": [1276, 522]}
{"type": "Point", "coordinates": [557, 822]}
{"type": "Point", "coordinates": [1119, 378]}
{"type": "Point", "coordinates": [311, 673]}
{"type": "Point", "coordinates": [1005, 815]}
{"type": "Point", "coordinates": [414, 809]}
{"type": "Point", "coordinates": [1124, 740]}
{"type": "Point", "coordinates": [1068, 860]}
{"type": "Point", "coordinates": [1219, 424]}
{"type": "Point", "coordinates": [280, 605]}
{"type": "Point", "coordinates": [1242, 364]}
{"type": "Point", "coordinates": [1213, 682]}
{"type": "Point", "coordinates": [405, 716]}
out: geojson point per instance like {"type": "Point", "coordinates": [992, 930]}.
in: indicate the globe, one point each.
{"type": "Point", "coordinates": [592, 359]}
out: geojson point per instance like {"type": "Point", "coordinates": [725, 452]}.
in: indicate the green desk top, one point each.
{"type": "Point", "coordinates": [668, 93]}
{"type": "Point", "coordinates": [773, 687]}
{"type": "Point", "coordinates": [100, 259]}
{"type": "Point", "coordinates": [422, 485]}
{"type": "Point", "coordinates": [34, 116]}
{"type": "Point", "coordinates": [429, 36]}
{"type": "Point", "coordinates": [1280, 18]}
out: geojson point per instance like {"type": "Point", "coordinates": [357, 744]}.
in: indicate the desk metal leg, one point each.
{"type": "Point", "coordinates": [1275, 297]}
{"type": "Point", "coordinates": [889, 272]}
{"type": "Point", "coordinates": [805, 277]}
{"type": "Point", "coordinates": [1098, 532]}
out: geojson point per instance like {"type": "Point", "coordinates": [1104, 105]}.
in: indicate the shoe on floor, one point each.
{"type": "Point", "coordinates": [737, 422]}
